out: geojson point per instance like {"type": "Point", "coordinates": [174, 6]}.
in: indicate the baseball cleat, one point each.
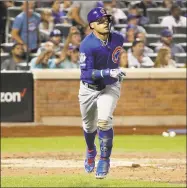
{"type": "Point", "coordinates": [103, 167]}
{"type": "Point", "coordinates": [89, 163]}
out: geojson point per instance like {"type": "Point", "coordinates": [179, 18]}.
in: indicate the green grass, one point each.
{"type": "Point", "coordinates": [76, 181]}
{"type": "Point", "coordinates": [76, 144]}
{"type": "Point", "coordinates": [121, 143]}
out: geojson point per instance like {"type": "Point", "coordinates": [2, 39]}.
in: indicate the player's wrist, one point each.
{"type": "Point", "coordinates": [106, 72]}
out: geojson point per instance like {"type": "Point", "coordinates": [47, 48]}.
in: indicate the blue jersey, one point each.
{"type": "Point", "coordinates": [94, 55]}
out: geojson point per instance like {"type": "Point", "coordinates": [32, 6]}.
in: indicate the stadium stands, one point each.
{"type": "Point", "coordinates": [153, 29]}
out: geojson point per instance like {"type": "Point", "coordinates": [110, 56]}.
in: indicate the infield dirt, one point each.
{"type": "Point", "coordinates": [160, 167]}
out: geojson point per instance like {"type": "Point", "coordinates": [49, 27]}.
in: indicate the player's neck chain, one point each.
{"type": "Point", "coordinates": [104, 42]}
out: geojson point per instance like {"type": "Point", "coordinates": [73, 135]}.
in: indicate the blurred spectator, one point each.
{"type": "Point", "coordinates": [142, 36]}
{"type": "Point", "coordinates": [131, 31]}
{"type": "Point", "coordinates": [134, 10]}
{"type": "Point", "coordinates": [136, 59]}
{"type": "Point", "coordinates": [66, 6]}
{"type": "Point", "coordinates": [163, 59]}
{"type": "Point", "coordinates": [124, 59]}
{"type": "Point", "coordinates": [46, 59]}
{"type": "Point", "coordinates": [79, 11]}
{"type": "Point", "coordinates": [117, 14]}
{"type": "Point", "coordinates": [20, 27]}
{"type": "Point", "coordinates": [9, 3]}
{"type": "Point", "coordinates": [76, 38]}
{"type": "Point", "coordinates": [87, 31]}
{"type": "Point", "coordinates": [55, 38]}
{"type": "Point", "coordinates": [57, 13]}
{"type": "Point", "coordinates": [166, 38]}
{"type": "Point", "coordinates": [17, 56]}
{"type": "Point", "coordinates": [144, 4]}
{"type": "Point", "coordinates": [167, 4]}
{"type": "Point", "coordinates": [71, 61]}
{"type": "Point", "coordinates": [47, 21]}
{"type": "Point", "coordinates": [134, 20]}
{"type": "Point", "coordinates": [175, 19]}
{"type": "Point", "coordinates": [69, 54]}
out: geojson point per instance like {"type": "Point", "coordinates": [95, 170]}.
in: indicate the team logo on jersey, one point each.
{"type": "Point", "coordinates": [116, 53]}
{"type": "Point", "coordinates": [82, 59]}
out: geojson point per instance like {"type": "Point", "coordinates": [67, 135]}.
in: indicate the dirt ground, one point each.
{"type": "Point", "coordinates": [162, 167]}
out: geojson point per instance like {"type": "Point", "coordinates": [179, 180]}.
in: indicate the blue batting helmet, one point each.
{"type": "Point", "coordinates": [96, 13]}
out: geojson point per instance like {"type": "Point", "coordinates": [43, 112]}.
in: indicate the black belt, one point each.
{"type": "Point", "coordinates": [94, 87]}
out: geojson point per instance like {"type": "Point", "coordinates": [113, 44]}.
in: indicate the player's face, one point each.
{"type": "Point", "coordinates": [102, 25]}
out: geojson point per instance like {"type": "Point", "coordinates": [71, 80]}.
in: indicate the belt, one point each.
{"type": "Point", "coordinates": [94, 87]}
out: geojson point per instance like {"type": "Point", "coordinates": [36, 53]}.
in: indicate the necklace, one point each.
{"type": "Point", "coordinates": [104, 42]}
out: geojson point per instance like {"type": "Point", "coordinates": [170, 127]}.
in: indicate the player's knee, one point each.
{"type": "Point", "coordinates": [89, 128]}
{"type": "Point", "coordinates": [103, 125]}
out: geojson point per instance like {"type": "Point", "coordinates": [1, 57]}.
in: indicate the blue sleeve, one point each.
{"type": "Point", "coordinates": [39, 18]}
{"type": "Point", "coordinates": [34, 65]}
{"type": "Point", "coordinates": [17, 23]}
{"type": "Point", "coordinates": [86, 62]}
{"type": "Point", "coordinates": [52, 64]}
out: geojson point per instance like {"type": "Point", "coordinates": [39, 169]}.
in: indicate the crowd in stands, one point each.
{"type": "Point", "coordinates": [47, 34]}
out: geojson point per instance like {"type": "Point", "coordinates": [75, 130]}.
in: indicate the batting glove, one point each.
{"type": "Point", "coordinates": [116, 73]}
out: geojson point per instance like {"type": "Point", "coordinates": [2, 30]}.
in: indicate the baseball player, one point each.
{"type": "Point", "coordinates": [99, 88]}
